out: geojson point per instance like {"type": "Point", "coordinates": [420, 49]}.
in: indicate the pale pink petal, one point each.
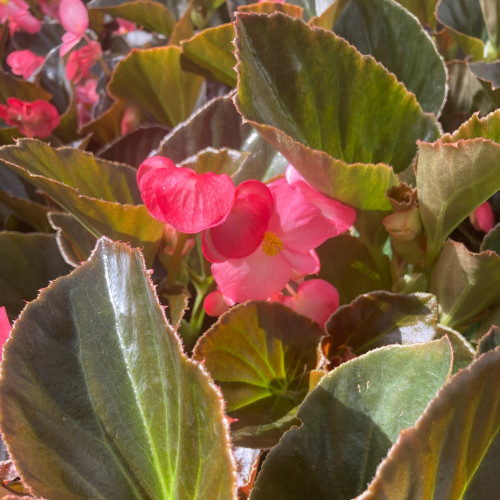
{"type": "Point", "coordinates": [242, 232]}
{"type": "Point", "coordinates": [74, 16]}
{"type": "Point", "coordinates": [483, 218]}
{"type": "Point", "coordinates": [24, 63]}
{"type": "Point", "coordinates": [69, 41]}
{"type": "Point", "coordinates": [256, 277]}
{"type": "Point", "coordinates": [5, 329]}
{"type": "Point", "coordinates": [317, 299]}
{"type": "Point", "coordinates": [214, 304]}
{"type": "Point", "coordinates": [302, 263]}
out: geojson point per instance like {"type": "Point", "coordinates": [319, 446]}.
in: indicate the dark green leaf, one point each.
{"type": "Point", "coordinates": [454, 450]}
{"type": "Point", "coordinates": [96, 387]}
{"type": "Point", "coordinates": [163, 90]}
{"type": "Point", "coordinates": [260, 354]}
{"type": "Point", "coordinates": [492, 240]}
{"type": "Point", "coordinates": [380, 318]}
{"type": "Point", "coordinates": [489, 341]}
{"type": "Point", "coordinates": [488, 74]}
{"type": "Point", "coordinates": [423, 9]}
{"type": "Point", "coordinates": [491, 16]}
{"type": "Point", "coordinates": [453, 180]}
{"type": "Point", "coordinates": [26, 91]}
{"type": "Point", "coordinates": [464, 283]}
{"type": "Point", "coordinates": [34, 214]}
{"type": "Point", "coordinates": [27, 263]}
{"type": "Point", "coordinates": [463, 352]}
{"type": "Point", "coordinates": [388, 32]}
{"type": "Point", "coordinates": [350, 421]}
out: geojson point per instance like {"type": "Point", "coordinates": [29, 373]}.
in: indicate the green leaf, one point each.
{"type": "Point", "coordinates": [347, 264]}
{"type": "Point", "coordinates": [156, 73]}
{"type": "Point", "coordinates": [489, 341]}
{"type": "Point", "coordinates": [463, 352]}
{"type": "Point", "coordinates": [350, 421]}
{"type": "Point", "coordinates": [487, 127]}
{"type": "Point", "coordinates": [349, 105]}
{"type": "Point", "coordinates": [453, 180]}
{"type": "Point", "coordinates": [221, 161]}
{"type": "Point", "coordinates": [26, 91]}
{"type": "Point", "coordinates": [96, 386]}
{"type": "Point", "coordinates": [394, 37]}
{"type": "Point", "coordinates": [380, 318]}
{"type": "Point", "coordinates": [491, 16]}
{"type": "Point", "coordinates": [464, 283]}
{"type": "Point", "coordinates": [423, 9]}
{"type": "Point", "coordinates": [260, 354]}
{"type": "Point", "coordinates": [212, 49]}
{"type": "Point", "coordinates": [492, 240]}
{"type": "Point", "coordinates": [28, 261]}
{"type": "Point", "coordinates": [454, 450]}
{"type": "Point", "coordinates": [150, 14]}
{"type": "Point", "coordinates": [488, 74]}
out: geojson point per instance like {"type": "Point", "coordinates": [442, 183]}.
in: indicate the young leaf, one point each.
{"type": "Point", "coordinates": [454, 449]}
{"type": "Point", "coordinates": [453, 180]}
{"type": "Point", "coordinates": [125, 413]}
{"type": "Point", "coordinates": [350, 421]}
{"type": "Point", "coordinates": [260, 354]}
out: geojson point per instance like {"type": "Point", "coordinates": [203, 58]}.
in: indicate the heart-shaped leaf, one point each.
{"type": "Point", "coordinates": [453, 450]}
{"type": "Point", "coordinates": [453, 180]}
{"type": "Point", "coordinates": [160, 75]}
{"type": "Point", "coordinates": [464, 283]}
{"type": "Point", "coordinates": [260, 354]}
{"type": "Point", "coordinates": [125, 413]}
{"type": "Point", "coordinates": [350, 421]}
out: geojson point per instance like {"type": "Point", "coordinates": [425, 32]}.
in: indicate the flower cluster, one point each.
{"type": "Point", "coordinates": [260, 239]}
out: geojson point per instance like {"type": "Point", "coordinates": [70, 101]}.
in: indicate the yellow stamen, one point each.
{"type": "Point", "coordinates": [271, 244]}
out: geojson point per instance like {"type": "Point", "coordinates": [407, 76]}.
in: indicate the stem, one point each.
{"type": "Point", "coordinates": [173, 268]}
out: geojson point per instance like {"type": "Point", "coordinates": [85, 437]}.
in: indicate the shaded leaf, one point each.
{"type": "Point", "coordinates": [41, 42]}
{"type": "Point", "coordinates": [221, 161]}
{"type": "Point", "coordinates": [491, 16]}
{"type": "Point", "coordinates": [27, 263]}
{"type": "Point", "coordinates": [161, 75]}
{"type": "Point", "coordinates": [149, 14]}
{"type": "Point", "coordinates": [453, 180]}
{"type": "Point", "coordinates": [350, 421]}
{"type": "Point", "coordinates": [347, 264]}
{"type": "Point", "coordinates": [464, 283]}
{"type": "Point", "coordinates": [488, 74]}
{"type": "Point", "coordinates": [111, 380]}
{"type": "Point", "coordinates": [463, 352]}
{"type": "Point", "coordinates": [34, 214]}
{"type": "Point", "coordinates": [423, 9]}
{"type": "Point", "coordinates": [106, 128]}
{"type": "Point", "coordinates": [380, 318]}
{"type": "Point", "coordinates": [388, 32]}
{"type": "Point", "coordinates": [26, 91]}
{"type": "Point", "coordinates": [453, 450]}
{"type": "Point", "coordinates": [492, 240]}
{"type": "Point", "coordinates": [487, 127]}
{"type": "Point", "coordinates": [489, 341]}
{"type": "Point", "coordinates": [260, 354]}
{"type": "Point", "coordinates": [353, 121]}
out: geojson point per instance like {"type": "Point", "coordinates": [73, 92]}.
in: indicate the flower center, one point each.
{"type": "Point", "coordinates": [271, 244]}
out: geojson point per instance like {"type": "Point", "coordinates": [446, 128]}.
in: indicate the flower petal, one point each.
{"type": "Point", "coordinates": [5, 329]}
{"type": "Point", "coordinates": [74, 16]}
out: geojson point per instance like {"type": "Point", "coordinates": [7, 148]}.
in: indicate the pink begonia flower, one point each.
{"type": "Point", "coordinates": [317, 299]}
{"type": "Point", "coordinates": [75, 20]}
{"type": "Point", "coordinates": [86, 97]}
{"type": "Point", "coordinates": [188, 201]}
{"type": "Point", "coordinates": [131, 119]}
{"type": "Point", "coordinates": [80, 61]}
{"type": "Point", "coordinates": [24, 63]}
{"type": "Point", "coordinates": [17, 14]}
{"type": "Point", "coordinates": [295, 229]}
{"type": "Point", "coordinates": [5, 329]}
{"type": "Point", "coordinates": [50, 8]}
{"type": "Point", "coordinates": [483, 218]}
{"type": "Point", "coordinates": [215, 304]}
{"type": "Point", "coordinates": [33, 119]}
{"type": "Point", "coordinates": [340, 215]}
{"type": "Point", "coordinates": [124, 26]}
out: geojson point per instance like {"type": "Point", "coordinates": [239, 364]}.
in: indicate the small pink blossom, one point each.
{"type": "Point", "coordinates": [86, 97]}
{"type": "Point", "coordinates": [317, 299]}
{"type": "Point", "coordinates": [125, 26]}
{"type": "Point", "coordinates": [188, 201]}
{"type": "Point", "coordinates": [33, 119]}
{"type": "Point", "coordinates": [5, 329]}
{"type": "Point", "coordinates": [131, 119]}
{"type": "Point", "coordinates": [483, 218]}
{"type": "Point", "coordinates": [50, 8]}
{"type": "Point", "coordinates": [24, 63]}
{"type": "Point", "coordinates": [75, 20]}
{"type": "Point", "coordinates": [81, 61]}
{"type": "Point", "coordinates": [17, 14]}
{"type": "Point", "coordinates": [215, 304]}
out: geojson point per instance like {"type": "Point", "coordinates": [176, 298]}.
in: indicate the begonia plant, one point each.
{"type": "Point", "coordinates": [250, 250]}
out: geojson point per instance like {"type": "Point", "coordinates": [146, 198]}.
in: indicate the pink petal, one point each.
{"type": "Point", "coordinates": [316, 299]}
{"type": "Point", "coordinates": [302, 263]}
{"type": "Point", "coordinates": [24, 63]}
{"type": "Point", "coordinates": [483, 218]}
{"type": "Point", "coordinates": [5, 329]}
{"type": "Point", "coordinates": [214, 304]}
{"type": "Point", "coordinates": [69, 41]}
{"type": "Point", "coordinates": [74, 16]}
{"type": "Point", "coordinates": [186, 200]}
{"type": "Point", "coordinates": [256, 277]}
{"type": "Point", "coordinates": [242, 232]}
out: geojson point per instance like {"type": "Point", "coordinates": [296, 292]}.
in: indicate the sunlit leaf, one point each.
{"type": "Point", "coordinates": [463, 352]}
{"type": "Point", "coordinates": [487, 127]}
{"type": "Point", "coordinates": [126, 414]}
{"type": "Point", "coordinates": [350, 421]}
{"type": "Point", "coordinates": [492, 240]}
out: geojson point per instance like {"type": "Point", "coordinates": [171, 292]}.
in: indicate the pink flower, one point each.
{"type": "Point", "coordinates": [5, 329]}
{"type": "Point", "coordinates": [24, 63]}
{"type": "Point", "coordinates": [125, 26]}
{"type": "Point", "coordinates": [17, 14]}
{"type": "Point", "coordinates": [179, 196]}
{"type": "Point", "coordinates": [131, 119]}
{"type": "Point", "coordinates": [75, 20]}
{"type": "Point", "coordinates": [295, 229]}
{"type": "Point", "coordinates": [33, 119]}
{"type": "Point", "coordinates": [317, 299]}
{"type": "Point", "coordinates": [215, 304]}
{"type": "Point", "coordinates": [50, 8]}
{"type": "Point", "coordinates": [483, 218]}
{"type": "Point", "coordinates": [86, 97]}
{"type": "Point", "coordinates": [80, 61]}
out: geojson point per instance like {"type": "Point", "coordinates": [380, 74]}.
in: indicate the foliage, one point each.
{"type": "Point", "coordinates": [250, 250]}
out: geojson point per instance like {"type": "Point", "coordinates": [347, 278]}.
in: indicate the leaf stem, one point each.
{"type": "Point", "coordinates": [173, 268]}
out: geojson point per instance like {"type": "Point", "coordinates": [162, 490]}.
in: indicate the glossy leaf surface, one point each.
{"type": "Point", "coordinates": [350, 421]}
{"type": "Point", "coordinates": [95, 355]}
